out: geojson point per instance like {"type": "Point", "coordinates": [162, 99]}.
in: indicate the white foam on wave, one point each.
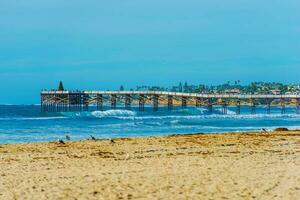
{"type": "Point", "coordinates": [101, 114]}
{"type": "Point", "coordinates": [212, 116]}
{"type": "Point", "coordinates": [199, 113]}
{"type": "Point", "coordinates": [229, 112]}
{"type": "Point", "coordinates": [195, 111]}
{"type": "Point", "coordinates": [113, 113]}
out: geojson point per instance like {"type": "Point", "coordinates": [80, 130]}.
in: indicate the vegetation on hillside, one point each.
{"type": "Point", "coordinates": [235, 87]}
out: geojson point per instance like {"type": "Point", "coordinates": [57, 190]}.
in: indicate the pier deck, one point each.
{"type": "Point", "coordinates": [63, 101]}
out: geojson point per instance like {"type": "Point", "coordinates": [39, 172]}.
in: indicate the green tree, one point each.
{"type": "Point", "coordinates": [253, 87]}
{"type": "Point", "coordinates": [180, 87]}
{"type": "Point", "coordinates": [61, 86]}
{"type": "Point", "coordinates": [185, 87]}
{"type": "Point", "coordinates": [201, 88]}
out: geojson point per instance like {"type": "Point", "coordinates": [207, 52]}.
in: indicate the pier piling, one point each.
{"type": "Point", "coordinates": [297, 106]}
{"type": "Point", "coordinates": [183, 102]}
{"type": "Point", "coordinates": [170, 102]}
{"type": "Point", "coordinates": [99, 102]}
{"type": "Point", "coordinates": [113, 101]}
{"type": "Point", "coordinates": [85, 102]}
{"type": "Point", "coordinates": [268, 102]}
{"type": "Point", "coordinates": [253, 106]}
{"type": "Point", "coordinates": [155, 99]}
{"type": "Point", "coordinates": [198, 102]}
{"type": "Point", "coordinates": [127, 101]}
{"type": "Point", "coordinates": [238, 107]}
{"type": "Point", "coordinates": [224, 107]}
{"type": "Point", "coordinates": [282, 103]}
{"type": "Point", "coordinates": [209, 105]}
{"type": "Point", "coordinates": [142, 103]}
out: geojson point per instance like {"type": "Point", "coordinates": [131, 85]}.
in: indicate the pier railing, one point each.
{"type": "Point", "coordinates": [63, 101]}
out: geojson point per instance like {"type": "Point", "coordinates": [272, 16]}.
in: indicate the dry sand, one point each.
{"type": "Point", "coordinates": [215, 166]}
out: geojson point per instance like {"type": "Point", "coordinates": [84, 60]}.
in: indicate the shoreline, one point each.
{"type": "Point", "coordinates": [270, 131]}
{"type": "Point", "coordinates": [248, 165]}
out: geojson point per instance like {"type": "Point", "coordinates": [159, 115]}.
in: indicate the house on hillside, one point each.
{"type": "Point", "coordinates": [275, 92]}
{"type": "Point", "coordinates": [233, 91]}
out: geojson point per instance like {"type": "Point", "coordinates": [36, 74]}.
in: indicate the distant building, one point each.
{"type": "Point", "coordinates": [292, 93]}
{"type": "Point", "coordinates": [233, 91]}
{"type": "Point", "coordinates": [275, 92]}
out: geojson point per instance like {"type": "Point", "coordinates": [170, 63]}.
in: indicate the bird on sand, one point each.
{"type": "Point", "coordinates": [68, 138]}
{"type": "Point", "coordinates": [61, 142]}
{"type": "Point", "coordinates": [93, 138]}
{"type": "Point", "coordinates": [112, 141]}
{"type": "Point", "coordinates": [264, 130]}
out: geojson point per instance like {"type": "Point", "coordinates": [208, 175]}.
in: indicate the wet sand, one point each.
{"type": "Point", "coordinates": [200, 166]}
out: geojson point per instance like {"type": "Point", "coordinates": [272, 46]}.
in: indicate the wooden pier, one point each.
{"type": "Point", "coordinates": [67, 101]}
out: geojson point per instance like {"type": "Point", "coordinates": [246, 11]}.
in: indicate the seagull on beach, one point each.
{"type": "Point", "coordinates": [93, 138]}
{"type": "Point", "coordinates": [264, 130]}
{"type": "Point", "coordinates": [68, 138]}
{"type": "Point", "coordinates": [61, 142]}
{"type": "Point", "coordinates": [112, 141]}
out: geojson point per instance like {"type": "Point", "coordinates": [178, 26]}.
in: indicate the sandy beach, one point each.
{"type": "Point", "coordinates": [199, 166]}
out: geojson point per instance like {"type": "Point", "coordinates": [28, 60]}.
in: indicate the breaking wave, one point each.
{"type": "Point", "coordinates": [101, 114]}
{"type": "Point", "coordinates": [199, 113]}
{"type": "Point", "coordinates": [113, 113]}
{"type": "Point", "coordinates": [212, 116]}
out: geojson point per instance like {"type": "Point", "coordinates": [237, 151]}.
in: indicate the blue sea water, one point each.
{"type": "Point", "coordinates": [25, 123]}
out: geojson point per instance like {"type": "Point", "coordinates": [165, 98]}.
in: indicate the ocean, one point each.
{"type": "Point", "coordinates": [25, 123]}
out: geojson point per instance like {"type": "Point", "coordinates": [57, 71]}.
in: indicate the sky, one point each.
{"type": "Point", "coordinates": [96, 44]}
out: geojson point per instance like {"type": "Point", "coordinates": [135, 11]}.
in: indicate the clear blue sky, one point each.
{"type": "Point", "coordinates": [96, 44]}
